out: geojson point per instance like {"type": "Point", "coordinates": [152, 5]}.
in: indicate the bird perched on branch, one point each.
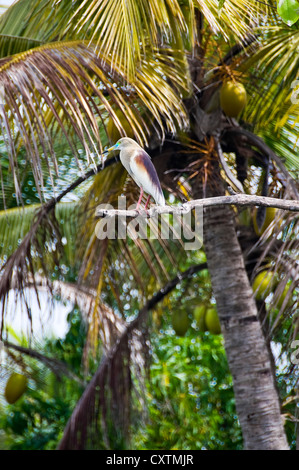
{"type": "Point", "coordinates": [140, 167]}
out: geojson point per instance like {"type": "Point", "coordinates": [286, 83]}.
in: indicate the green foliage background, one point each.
{"type": "Point", "coordinates": [190, 397]}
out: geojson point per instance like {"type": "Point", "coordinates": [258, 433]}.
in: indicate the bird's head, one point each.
{"type": "Point", "coordinates": [124, 143]}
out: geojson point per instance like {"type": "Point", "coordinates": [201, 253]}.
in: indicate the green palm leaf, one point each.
{"type": "Point", "coordinates": [36, 19]}
{"type": "Point", "coordinates": [284, 141]}
{"type": "Point", "coordinates": [10, 45]}
{"type": "Point", "coordinates": [68, 86]}
{"type": "Point", "coordinates": [234, 17]}
{"type": "Point", "coordinates": [271, 88]}
{"type": "Point", "coordinates": [16, 223]}
{"type": "Point", "coordinates": [123, 29]}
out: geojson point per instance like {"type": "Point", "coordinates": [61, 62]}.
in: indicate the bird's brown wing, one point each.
{"type": "Point", "coordinates": [146, 176]}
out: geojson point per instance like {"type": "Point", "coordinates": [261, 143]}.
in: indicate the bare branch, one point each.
{"type": "Point", "coordinates": [57, 367]}
{"type": "Point", "coordinates": [236, 199]}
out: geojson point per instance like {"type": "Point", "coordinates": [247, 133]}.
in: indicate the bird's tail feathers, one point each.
{"type": "Point", "coordinates": [160, 199]}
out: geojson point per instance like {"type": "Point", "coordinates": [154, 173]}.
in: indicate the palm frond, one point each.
{"type": "Point", "coordinates": [71, 86]}
{"type": "Point", "coordinates": [10, 45]}
{"type": "Point", "coordinates": [285, 142]}
{"type": "Point", "coordinates": [15, 223]}
{"type": "Point", "coordinates": [34, 240]}
{"type": "Point", "coordinates": [272, 90]}
{"type": "Point", "coordinates": [36, 19]}
{"type": "Point", "coordinates": [278, 253]}
{"type": "Point", "coordinates": [39, 238]}
{"type": "Point", "coordinates": [112, 325]}
{"type": "Point", "coordinates": [235, 18]}
{"type": "Point", "coordinates": [59, 368]}
{"type": "Point", "coordinates": [123, 28]}
{"type": "Point", "coordinates": [105, 404]}
{"type": "Point", "coordinates": [19, 266]}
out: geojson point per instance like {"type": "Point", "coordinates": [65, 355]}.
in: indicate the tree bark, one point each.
{"type": "Point", "coordinates": [257, 402]}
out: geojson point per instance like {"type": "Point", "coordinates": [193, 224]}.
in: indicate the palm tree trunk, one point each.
{"type": "Point", "coordinates": [256, 397]}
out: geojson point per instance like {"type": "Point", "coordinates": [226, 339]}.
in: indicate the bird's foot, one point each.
{"type": "Point", "coordinates": [143, 212]}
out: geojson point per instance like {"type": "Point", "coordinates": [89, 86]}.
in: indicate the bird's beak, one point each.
{"type": "Point", "coordinates": [114, 147]}
{"type": "Point", "coordinates": [106, 151]}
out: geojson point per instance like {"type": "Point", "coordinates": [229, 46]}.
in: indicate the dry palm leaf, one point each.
{"type": "Point", "coordinates": [71, 86]}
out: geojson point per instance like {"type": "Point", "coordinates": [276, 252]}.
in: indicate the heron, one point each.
{"type": "Point", "coordinates": [140, 167]}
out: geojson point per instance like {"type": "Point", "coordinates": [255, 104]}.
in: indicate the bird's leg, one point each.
{"type": "Point", "coordinates": [139, 200]}
{"type": "Point", "coordinates": [147, 201]}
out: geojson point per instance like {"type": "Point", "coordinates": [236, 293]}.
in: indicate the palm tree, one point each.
{"type": "Point", "coordinates": [83, 73]}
